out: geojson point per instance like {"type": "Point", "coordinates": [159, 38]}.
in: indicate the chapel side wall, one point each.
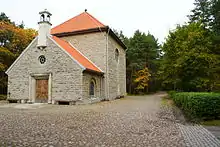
{"type": "Point", "coordinates": [116, 70]}
{"type": "Point", "coordinates": [87, 78]}
{"type": "Point", "coordinates": [92, 45]}
{"type": "Point", "coordinates": [66, 81]}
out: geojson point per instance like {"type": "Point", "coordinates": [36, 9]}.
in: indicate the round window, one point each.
{"type": "Point", "coordinates": [42, 59]}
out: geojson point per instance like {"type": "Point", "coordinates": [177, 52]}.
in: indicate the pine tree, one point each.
{"type": "Point", "coordinates": [215, 12]}
{"type": "Point", "coordinates": [201, 13]}
{"type": "Point", "coordinates": [4, 17]}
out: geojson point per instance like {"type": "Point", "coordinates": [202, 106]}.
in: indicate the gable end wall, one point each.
{"type": "Point", "coordinates": [66, 74]}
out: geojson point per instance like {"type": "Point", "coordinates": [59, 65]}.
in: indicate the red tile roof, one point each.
{"type": "Point", "coordinates": [83, 21]}
{"type": "Point", "coordinates": [76, 55]}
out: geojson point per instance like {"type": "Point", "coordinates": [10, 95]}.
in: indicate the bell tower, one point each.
{"type": "Point", "coordinates": [44, 28]}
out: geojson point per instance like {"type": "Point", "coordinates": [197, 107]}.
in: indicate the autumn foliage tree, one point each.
{"type": "Point", "coordinates": [13, 40]}
{"type": "Point", "coordinates": [142, 78]}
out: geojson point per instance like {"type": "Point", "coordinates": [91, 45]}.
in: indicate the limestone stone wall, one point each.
{"type": "Point", "coordinates": [87, 78]}
{"type": "Point", "coordinates": [117, 70]}
{"type": "Point", "coordinates": [92, 45]}
{"type": "Point", "coordinates": [66, 74]}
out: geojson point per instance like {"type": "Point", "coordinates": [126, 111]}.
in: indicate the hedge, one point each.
{"type": "Point", "coordinates": [198, 105]}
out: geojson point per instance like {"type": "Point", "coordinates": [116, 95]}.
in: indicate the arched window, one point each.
{"type": "Point", "coordinates": [92, 88]}
{"type": "Point", "coordinates": [116, 55]}
{"type": "Point", "coordinates": [48, 18]}
{"type": "Point", "coordinates": [42, 18]}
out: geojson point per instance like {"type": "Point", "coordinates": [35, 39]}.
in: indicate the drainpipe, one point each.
{"type": "Point", "coordinates": [101, 90]}
{"type": "Point", "coordinates": [107, 79]}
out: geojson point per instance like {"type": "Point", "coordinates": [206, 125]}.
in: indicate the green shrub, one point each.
{"type": "Point", "coordinates": [171, 93]}
{"type": "Point", "coordinates": [3, 97]}
{"type": "Point", "coordinates": [198, 105]}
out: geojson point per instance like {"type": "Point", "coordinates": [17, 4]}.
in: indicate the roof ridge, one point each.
{"type": "Point", "coordinates": [82, 21]}
{"type": "Point", "coordinates": [67, 20]}
{"type": "Point", "coordinates": [94, 19]}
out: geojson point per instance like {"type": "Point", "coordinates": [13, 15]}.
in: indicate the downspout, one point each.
{"type": "Point", "coordinates": [101, 88]}
{"type": "Point", "coordinates": [107, 79]}
{"type": "Point", "coordinates": [82, 96]}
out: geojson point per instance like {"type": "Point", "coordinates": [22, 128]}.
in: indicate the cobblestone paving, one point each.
{"type": "Point", "coordinates": [198, 136]}
{"type": "Point", "coordinates": [215, 130]}
{"type": "Point", "coordinates": [133, 121]}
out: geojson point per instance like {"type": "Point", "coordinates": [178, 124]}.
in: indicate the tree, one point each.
{"type": "Point", "coordinates": [202, 12]}
{"type": "Point", "coordinates": [6, 59]}
{"type": "Point", "coordinates": [121, 36]}
{"type": "Point", "coordinates": [143, 51]}
{"type": "Point", "coordinates": [215, 28]}
{"type": "Point", "coordinates": [21, 25]}
{"type": "Point", "coordinates": [141, 79]}
{"type": "Point", "coordinates": [215, 15]}
{"type": "Point", "coordinates": [189, 62]}
{"type": "Point", "coordinates": [4, 18]}
{"type": "Point", "coordinates": [13, 40]}
{"type": "Point", "coordinates": [207, 12]}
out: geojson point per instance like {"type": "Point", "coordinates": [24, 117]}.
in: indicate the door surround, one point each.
{"type": "Point", "coordinates": [32, 85]}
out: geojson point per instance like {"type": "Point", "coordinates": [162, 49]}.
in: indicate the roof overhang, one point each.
{"type": "Point", "coordinates": [93, 30]}
{"type": "Point", "coordinates": [93, 72]}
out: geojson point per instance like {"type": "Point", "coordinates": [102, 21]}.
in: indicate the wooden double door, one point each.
{"type": "Point", "coordinates": [41, 91]}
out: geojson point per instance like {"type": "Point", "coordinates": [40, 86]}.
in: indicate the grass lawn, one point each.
{"type": "Point", "coordinates": [167, 101]}
{"type": "Point", "coordinates": [211, 123]}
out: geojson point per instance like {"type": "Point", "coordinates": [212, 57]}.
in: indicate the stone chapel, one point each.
{"type": "Point", "coordinates": [79, 61]}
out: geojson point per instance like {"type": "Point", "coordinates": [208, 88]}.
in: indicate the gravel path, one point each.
{"type": "Point", "coordinates": [132, 121]}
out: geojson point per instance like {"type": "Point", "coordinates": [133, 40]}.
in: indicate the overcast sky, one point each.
{"type": "Point", "coordinates": [155, 16]}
